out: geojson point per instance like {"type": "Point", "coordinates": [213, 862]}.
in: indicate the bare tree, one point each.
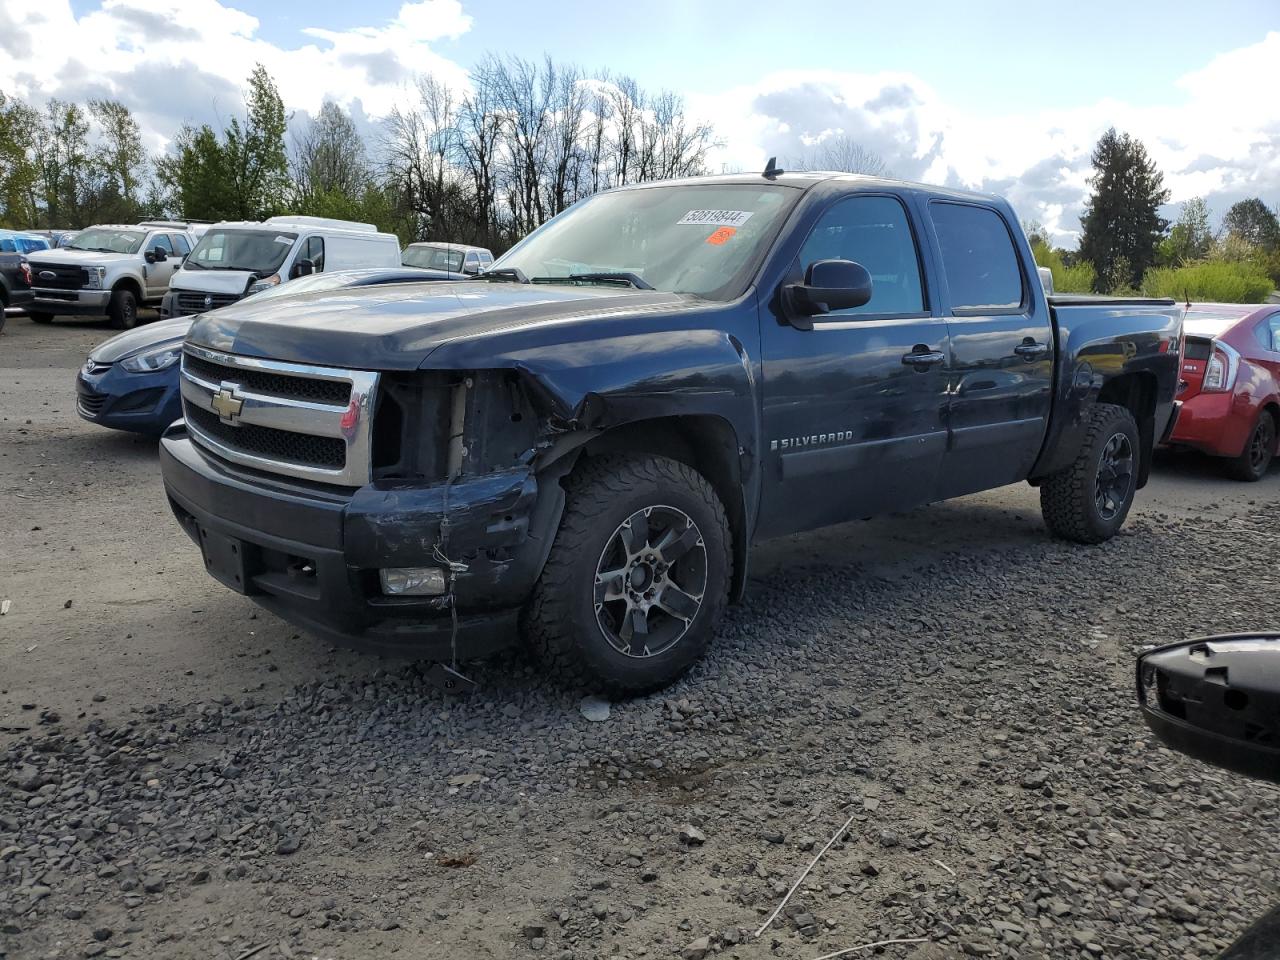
{"type": "Point", "coordinates": [329, 157]}
{"type": "Point", "coordinates": [842, 154]}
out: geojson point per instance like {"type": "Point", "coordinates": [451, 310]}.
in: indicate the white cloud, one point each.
{"type": "Point", "coordinates": [1221, 141]}
{"type": "Point", "coordinates": [189, 61]}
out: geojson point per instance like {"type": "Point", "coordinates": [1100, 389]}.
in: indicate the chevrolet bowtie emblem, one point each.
{"type": "Point", "coordinates": [226, 404]}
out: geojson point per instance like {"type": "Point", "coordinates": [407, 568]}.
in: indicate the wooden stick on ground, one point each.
{"type": "Point", "coordinates": [800, 879]}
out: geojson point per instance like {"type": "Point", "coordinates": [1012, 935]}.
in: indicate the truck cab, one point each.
{"type": "Point", "coordinates": [235, 259]}
{"type": "Point", "coordinates": [110, 270]}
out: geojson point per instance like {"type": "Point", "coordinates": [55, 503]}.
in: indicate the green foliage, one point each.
{"type": "Point", "coordinates": [1122, 222]}
{"type": "Point", "coordinates": [18, 173]}
{"type": "Point", "coordinates": [1216, 281]}
{"type": "Point", "coordinates": [1190, 239]}
{"type": "Point", "coordinates": [242, 175]}
{"type": "Point", "coordinates": [1067, 278]}
{"type": "Point", "coordinates": [1254, 223]}
{"type": "Point", "coordinates": [121, 162]}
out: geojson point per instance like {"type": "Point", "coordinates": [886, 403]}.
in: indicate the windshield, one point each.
{"type": "Point", "coordinates": [681, 239]}
{"type": "Point", "coordinates": [108, 241]}
{"type": "Point", "coordinates": [258, 251]}
{"type": "Point", "coordinates": [432, 257]}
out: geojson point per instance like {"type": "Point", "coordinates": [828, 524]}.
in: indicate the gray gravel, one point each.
{"type": "Point", "coordinates": [1006, 801]}
{"type": "Point", "coordinates": [971, 710]}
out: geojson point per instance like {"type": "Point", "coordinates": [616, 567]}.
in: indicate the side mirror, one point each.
{"type": "Point", "coordinates": [1217, 699]}
{"type": "Point", "coordinates": [828, 285]}
{"type": "Point", "coordinates": [302, 268]}
{"type": "Point", "coordinates": [158, 255]}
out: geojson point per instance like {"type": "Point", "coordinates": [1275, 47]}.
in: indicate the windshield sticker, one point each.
{"type": "Point", "coordinates": [715, 218]}
{"type": "Point", "coordinates": [283, 240]}
{"type": "Point", "coordinates": [721, 236]}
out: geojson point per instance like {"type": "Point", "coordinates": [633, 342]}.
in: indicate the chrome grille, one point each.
{"type": "Point", "coordinates": [287, 418]}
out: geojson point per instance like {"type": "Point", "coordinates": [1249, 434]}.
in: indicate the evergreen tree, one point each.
{"type": "Point", "coordinates": [1122, 222]}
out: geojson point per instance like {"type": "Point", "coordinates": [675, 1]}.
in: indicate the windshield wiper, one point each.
{"type": "Point", "coordinates": [504, 274]}
{"type": "Point", "coordinates": [616, 276]}
{"type": "Point", "coordinates": [195, 264]}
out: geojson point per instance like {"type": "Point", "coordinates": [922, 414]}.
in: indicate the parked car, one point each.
{"type": "Point", "coordinates": [54, 238]}
{"type": "Point", "coordinates": [23, 242]}
{"type": "Point", "coordinates": [456, 258]}
{"type": "Point", "coordinates": [589, 438]}
{"type": "Point", "coordinates": [15, 275]}
{"type": "Point", "coordinates": [130, 382]}
{"type": "Point", "coordinates": [1230, 389]}
{"type": "Point", "coordinates": [234, 260]}
{"type": "Point", "coordinates": [109, 270]}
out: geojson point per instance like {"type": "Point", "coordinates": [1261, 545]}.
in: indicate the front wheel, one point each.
{"type": "Point", "coordinates": [123, 310]}
{"type": "Point", "coordinates": [1252, 465]}
{"type": "Point", "coordinates": [1088, 501]}
{"type": "Point", "coordinates": [637, 578]}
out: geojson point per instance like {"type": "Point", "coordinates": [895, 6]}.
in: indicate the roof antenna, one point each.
{"type": "Point", "coordinates": [771, 169]}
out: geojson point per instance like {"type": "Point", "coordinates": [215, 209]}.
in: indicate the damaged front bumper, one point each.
{"type": "Point", "coordinates": [312, 554]}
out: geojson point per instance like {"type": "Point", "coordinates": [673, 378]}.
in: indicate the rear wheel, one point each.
{"type": "Point", "coordinates": [637, 577]}
{"type": "Point", "coordinates": [39, 316]}
{"type": "Point", "coordinates": [1259, 450]}
{"type": "Point", "coordinates": [123, 309]}
{"type": "Point", "coordinates": [1088, 501]}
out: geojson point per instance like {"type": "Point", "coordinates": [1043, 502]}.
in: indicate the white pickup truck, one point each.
{"type": "Point", "coordinates": [110, 270]}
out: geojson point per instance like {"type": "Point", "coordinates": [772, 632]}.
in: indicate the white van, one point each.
{"type": "Point", "coordinates": [233, 260]}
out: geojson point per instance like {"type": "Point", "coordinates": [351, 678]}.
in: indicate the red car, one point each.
{"type": "Point", "coordinates": [1230, 388]}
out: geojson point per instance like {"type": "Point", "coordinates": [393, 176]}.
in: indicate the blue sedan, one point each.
{"type": "Point", "coordinates": [130, 382]}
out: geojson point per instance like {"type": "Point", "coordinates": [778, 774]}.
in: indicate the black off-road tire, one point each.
{"type": "Point", "coordinates": [39, 316]}
{"type": "Point", "coordinates": [1068, 498]}
{"type": "Point", "coordinates": [560, 620]}
{"type": "Point", "coordinates": [123, 309]}
{"type": "Point", "coordinates": [1254, 461]}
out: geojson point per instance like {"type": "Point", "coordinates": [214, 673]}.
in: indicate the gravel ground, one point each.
{"type": "Point", "coordinates": [185, 778]}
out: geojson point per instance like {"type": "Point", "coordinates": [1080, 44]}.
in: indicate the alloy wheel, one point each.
{"type": "Point", "coordinates": [650, 581]}
{"type": "Point", "coordinates": [1114, 481]}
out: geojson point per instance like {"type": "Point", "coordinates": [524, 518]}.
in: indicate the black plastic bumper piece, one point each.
{"type": "Point", "coordinates": [311, 555]}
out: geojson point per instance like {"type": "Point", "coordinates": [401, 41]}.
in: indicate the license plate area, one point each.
{"type": "Point", "coordinates": [226, 559]}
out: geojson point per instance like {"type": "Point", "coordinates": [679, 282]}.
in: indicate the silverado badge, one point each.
{"type": "Point", "coordinates": [226, 404]}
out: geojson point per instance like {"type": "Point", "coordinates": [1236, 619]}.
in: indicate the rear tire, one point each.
{"type": "Point", "coordinates": [39, 316]}
{"type": "Point", "coordinates": [123, 310]}
{"type": "Point", "coordinates": [637, 578]}
{"type": "Point", "coordinates": [1253, 463]}
{"type": "Point", "coordinates": [1088, 501]}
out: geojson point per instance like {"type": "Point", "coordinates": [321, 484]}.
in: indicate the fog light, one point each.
{"type": "Point", "coordinates": [413, 581]}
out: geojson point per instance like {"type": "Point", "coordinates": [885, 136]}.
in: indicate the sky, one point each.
{"type": "Point", "coordinates": [998, 96]}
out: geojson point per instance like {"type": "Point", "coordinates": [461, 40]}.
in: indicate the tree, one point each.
{"type": "Point", "coordinates": [1190, 239]}
{"type": "Point", "coordinates": [121, 159]}
{"type": "Point", "coordinates": [843, 154]}
{"type": "Point", "coordinates": [66, 171]}
{"type": "Point", "coordinates": [244, 175]}
{"type": "Point", "coordinates": [1122, 222]}
{"type": "Point", "coordinates": [1252, 222]}
{"type": "Point", "coordinates": [329, 158]}
{"type": "Point", "coordinates": [19, 173]}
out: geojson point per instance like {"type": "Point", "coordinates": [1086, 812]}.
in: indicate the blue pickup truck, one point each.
{"type": "Point", "coordinates": [581, 445]}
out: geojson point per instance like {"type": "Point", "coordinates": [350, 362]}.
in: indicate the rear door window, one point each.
{"type": "Point", "coordinates": [978, 258]}
{"type": "Point", "coordinates": [180, 244]}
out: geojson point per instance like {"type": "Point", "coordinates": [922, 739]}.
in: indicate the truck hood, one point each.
{"type": "Point", "coordinates": [210, 281]}
{"type": "Point", "coordinates": [397, 327]}
{"type": "Point", "coordinates": [83, 258]}
{"type": "Point", "coordinates": [135, 341]}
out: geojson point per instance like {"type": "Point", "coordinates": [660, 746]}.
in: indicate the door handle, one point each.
{"type": "Point", "coordinates": [1028, 349]}
{"type": "Point", "coordinates": [921, 357]}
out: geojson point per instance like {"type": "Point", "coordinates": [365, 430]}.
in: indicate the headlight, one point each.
{"type": "Point", "coordinates": [266, 283]}
{"type": "Point", "coordinates": [152, 360]}
{"type": "Point", "coordinates": [96, 276]}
